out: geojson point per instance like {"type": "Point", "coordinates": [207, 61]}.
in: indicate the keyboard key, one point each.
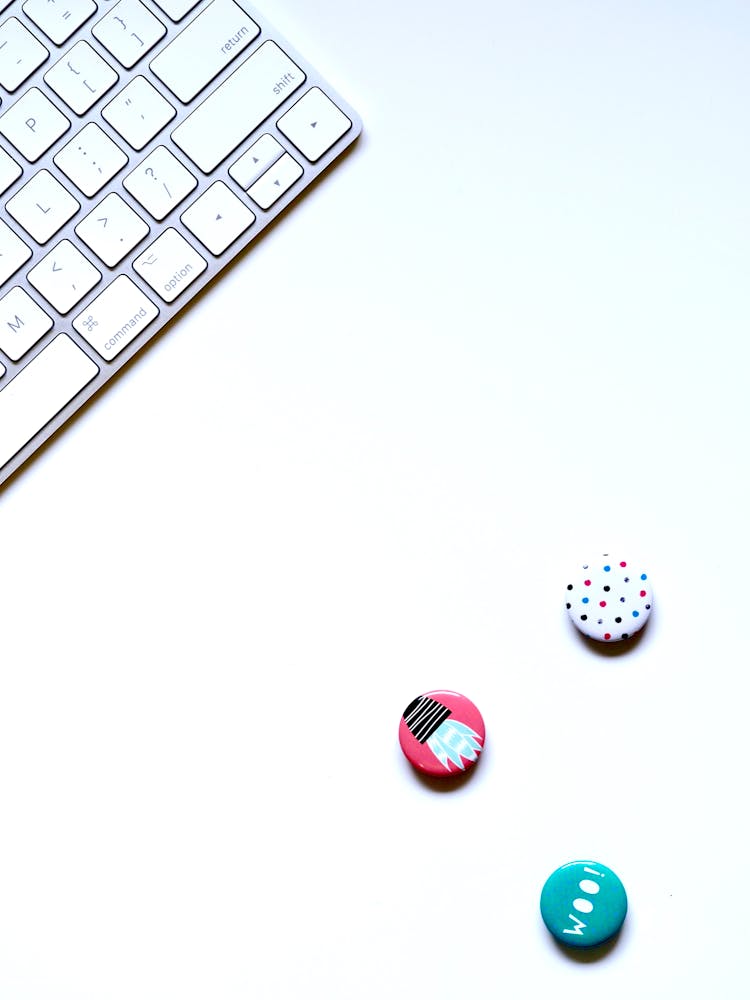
{"type": "Point", "coordinates": [42, 206]}
{"type": "Point", "coordinates": [176, 9]}
{"type": "Point", "coordinates": [169, 265]}
{"type": "Point", "coordinates": [199, 53]}
{"type": "Point", "coordinates": [314, 124]}
{"type": "Point", "coordinates": [129, 31]}
{"type": "Point", "coordinates": [276, 181]}
{"type": "Point", "coordinates": [33, 124]}
{"type": "Point", "coordinates": [138, 112]}
{"type": "Point", "coordinates": [13, 252]}
{"type": "Point", "coordinates": [90, 159]}
{"type": "Point", "coordinates": [112, 230]}
{"type": "Point", "coordinates": [160, 182]}
{"type": "Point", "coordinates": [9, 171]}
{"type": "Point", "coordinates": [81, 77]}
{"type": "Point", "coordinates": [261, 155]}
{"type": "Point", "coordinates": [236, 108]}
{"type": "Point", "coordinates": [22, 323]}
{"type": "Point", "coordinates": [64, 276]}
{"type": "Point", "coordinates": [20, 54]}
{"type": "Point", "coordinates": [59, 21]}
{"type": "Point", "coordinates": [217, 218]}
{"type": "Point", "coordinates": [38, 393]}
{"type": "Point", "coordinates": [116, 317]}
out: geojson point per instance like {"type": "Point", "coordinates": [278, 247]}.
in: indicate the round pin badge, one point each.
{"type": "Point", "coordinates": [441, 733]}
{"type": "Point", "coordinates": [609, 599]}
{"type": "Point", "coordinates": [583, 904]}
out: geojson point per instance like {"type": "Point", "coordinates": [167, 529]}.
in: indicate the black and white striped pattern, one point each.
{"type": "Point", "coordinates": [423, 716]}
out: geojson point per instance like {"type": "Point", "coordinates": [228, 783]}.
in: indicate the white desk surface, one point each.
{"type": "Point", "coordinates": [510, 331]}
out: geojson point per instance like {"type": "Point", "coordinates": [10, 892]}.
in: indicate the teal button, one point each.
{"type": "Point", "coordinates": [583, 904]}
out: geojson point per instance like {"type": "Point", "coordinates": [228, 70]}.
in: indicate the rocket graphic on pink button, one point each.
{"type": "Point", "coordinates": [441, 733]}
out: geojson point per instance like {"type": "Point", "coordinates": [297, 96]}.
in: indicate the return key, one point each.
{"type": "Point", "coordinates": [201, 51]}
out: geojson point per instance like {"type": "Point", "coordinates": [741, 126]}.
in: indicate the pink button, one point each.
{"type": "Point", "coordinates": [441, 733]}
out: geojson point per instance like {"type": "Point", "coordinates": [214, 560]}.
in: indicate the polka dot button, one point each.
{"type": "Point", "coordinates": [441, 733]}
{"type": "Point", "coordinates": [583, 904]}
{"type": "Point", "coordinates": [609, 599]}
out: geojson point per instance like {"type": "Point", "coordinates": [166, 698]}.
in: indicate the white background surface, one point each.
{"type": "Point", "coordinates": [509, 332]}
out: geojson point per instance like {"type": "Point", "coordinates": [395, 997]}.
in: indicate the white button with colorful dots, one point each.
{"type": "Point", "coordinates": [609, 599]}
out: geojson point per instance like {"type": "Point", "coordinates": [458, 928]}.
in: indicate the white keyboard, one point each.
{"type": "Point", "coordinates": [143, 145]}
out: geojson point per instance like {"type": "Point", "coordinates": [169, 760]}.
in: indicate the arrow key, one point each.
{"type": "Point", "coordinates": [314, 124]}
{"type": "Point", "coordinates": [259, 157]}
{"type": "Point", "coordinates": [217, 218]}
{"type": "Point", "coordinates": [276, 181]}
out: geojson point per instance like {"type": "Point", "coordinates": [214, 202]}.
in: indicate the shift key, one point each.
{"type": "Point", "coordinates": [235, 109]}
{"type": "Point", "coordinates": [201, 51]}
